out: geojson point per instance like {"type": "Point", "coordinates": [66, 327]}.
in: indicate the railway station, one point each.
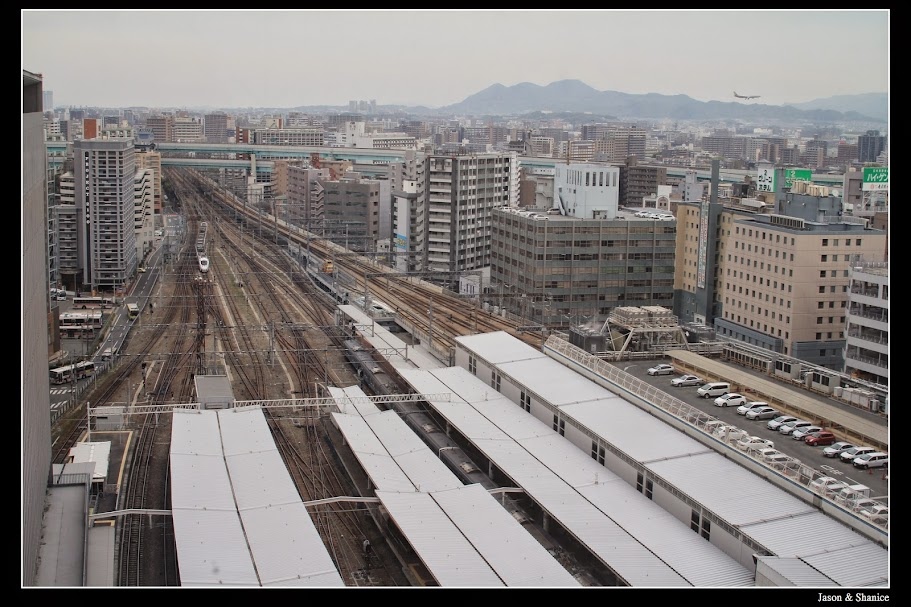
{"type": "Point", "coordinates": [454, 440]}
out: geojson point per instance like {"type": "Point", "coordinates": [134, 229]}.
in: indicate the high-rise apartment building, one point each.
{"type": "Point", "coordinates": [638, 181]}
{"type": "Point", "coordinates": [870, 145]}
{"type": "Point", "coordinates": [461, 193]}
{"type": "Point", "coordinates": [105, 171]}
{"type": "Point", "coordinates": [151, 159]}
{"type": "Point", "coordinates": [867, 322]}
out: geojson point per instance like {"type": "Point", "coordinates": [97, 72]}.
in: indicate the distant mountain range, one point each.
{"type": "Point", "coordinates": [577, 97]}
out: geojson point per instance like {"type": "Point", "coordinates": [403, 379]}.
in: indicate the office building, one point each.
{"type": "Point", "coordinates": [161, 127]}
{"type": "Point", "coordinates": [215, 127]}
{"type": "Point", "coordinates": [35, 427]}
{"type": "Point", "coordinates": [772, 274]}
{"type": "Point", "coordinates": [562, 270]}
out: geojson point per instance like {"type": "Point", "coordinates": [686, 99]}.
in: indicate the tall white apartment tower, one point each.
{"type": "Point", "coordinates": [104, 173]}
{"type": "Point", "coordinates": [867, 322]}
{"type": "Point", "coordinates": [461, 193]}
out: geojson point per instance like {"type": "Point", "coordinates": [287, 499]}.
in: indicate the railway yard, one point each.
{"type": "Point", "coordinates": [270, 327]}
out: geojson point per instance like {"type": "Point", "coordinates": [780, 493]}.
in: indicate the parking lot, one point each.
{"type": "Point", "coordinates": [812, 456]}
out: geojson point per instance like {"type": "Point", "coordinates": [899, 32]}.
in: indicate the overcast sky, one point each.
{"type": "Point", "coordinates": [280, 58]}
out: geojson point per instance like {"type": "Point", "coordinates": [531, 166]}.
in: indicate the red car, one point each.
{"type": "Point", "coordinates": [820, 438]}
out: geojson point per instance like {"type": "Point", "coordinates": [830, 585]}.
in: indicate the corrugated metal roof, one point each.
{"type": "Point", "coordinates": [729, 490]}
{"type": "Point", "coordinates": [383, 471]}
{"type": "Point", "coordinates": [787, 537]}
{"type": "Point", "coordinates": [866, 565]}
{"type": "Point", "coordinates": [498, 347]}
{"type": "Point", "coordinates": [422, 466]}
{"type": "Point", "coordinates": [381, 338]}
{"type": "Point", "coordinates": [287, 548]}
{"type": "Point", "coordinates": [429, 474]}
{"type": "Point", "coordinates": [211, 546]}
{"type": "Point", "coordinates": [552, 382]}
{"type": "Point", "coordinates": [446, 553]}
{"type": "Point", "coordinates": [633, 562]}
{"type": "Point", "coordinates": [516, 556]}
{"type": "Point", "coordinates": [98, 453]}
{"type": "Point", "coordinates": [234, 504]}
{"type": "Point", "coordinates": [632, 430]}
{"type": "Point", "coordinates": [796, 571]}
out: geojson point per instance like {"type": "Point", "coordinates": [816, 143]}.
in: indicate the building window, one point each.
{"type": "Point", "coordinates": [824, 259]}
{"type": "Point", "coordinates": [706, 528]}
{"type": "Point", "coordinates": [598, 454]}
{"type": "Point", "coordinates": [472, 364]}
{"type": "Point", "coordinates": [525, 401]}
{"type": "Point", "coordinates": [822, 273]}
{"type": "Point", "coordinates": [648, 488]}
{"type": "Point", "coordinates": [825, 242]}
{"type": "Point", "coordinates": [694, 521]}
{"type": "Point", "coordinates": [559, 425]}
{"type": "Point", "coordinates": [495, 380]}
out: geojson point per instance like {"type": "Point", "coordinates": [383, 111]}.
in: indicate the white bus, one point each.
{"type": "Point", "coordinates": [97, 303]}
{"type": "Point", "coordinates": [133, 310]}
{"type": "Point", "coordinates": [81, 323]}
{"type": "Point", "coordinates": [66, 373]}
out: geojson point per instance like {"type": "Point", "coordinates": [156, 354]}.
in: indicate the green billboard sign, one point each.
{"type": "Point", "coordinates": [792, 175]}
{"type": "Point", "coordinates": [876, 178]}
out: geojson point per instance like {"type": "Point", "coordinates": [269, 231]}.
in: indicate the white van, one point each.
{"type": "Point", "coordinates": [715, 388]}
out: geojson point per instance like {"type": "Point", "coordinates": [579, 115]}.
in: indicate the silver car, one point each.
{"type": "Point", "coordinates": [781, 419]}
{"type": "Point", "coordinates": [835, 449]}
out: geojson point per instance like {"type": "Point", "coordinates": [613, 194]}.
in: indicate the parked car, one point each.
{"type": "Point", "coordinates": [781, 461]}
{"type": "Point", "coordinates": [878, 514]}
{"type": "Point", "coordinates": [849, 454]}
{"type": "Point", "coordinates": [852, 495]}
{"type": "Point", "coordinates": [775, 423]}
{"type": "Point", "coordinates": [789, 427]}
{"type": "Point", "coordinates": [767, 452]}
{"type": "Point", "coordinates": [802, 433]}
{"type": "Point", "coordinates": [861, 504]}
{"type": "Point", "coordinates": [762, 413]}
{"type": "Point", "coordinates": [836, 449]}
{"type": "Point", "coordinates": [823, 437]}
{"type": "Point", "coordinates": [687, 380]}
{"type": "Point", "coordinates": [732, 399]}
{"type": "Point", "coordinates": [662, 369]}
{"type": "Point", "coordinates": [875, 459]}
{"type": "Point", "coordinates": [715, 388]}
{"type": "Point", "coordinates": [753, 443]}
{"type": "Point", "coordinates": [747, 406]}
{"type": "Point", "coordinates": [827, 485]}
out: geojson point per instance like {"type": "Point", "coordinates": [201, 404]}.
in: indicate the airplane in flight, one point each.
{"type": "Point", "coordinates": [745, 96]}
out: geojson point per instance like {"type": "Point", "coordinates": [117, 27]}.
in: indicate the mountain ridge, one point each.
{"type": "Point", "coordinates": [573, 95]}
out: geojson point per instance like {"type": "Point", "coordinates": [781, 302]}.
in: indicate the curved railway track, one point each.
{"type": "Point", "coordinates": [273, 322]}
